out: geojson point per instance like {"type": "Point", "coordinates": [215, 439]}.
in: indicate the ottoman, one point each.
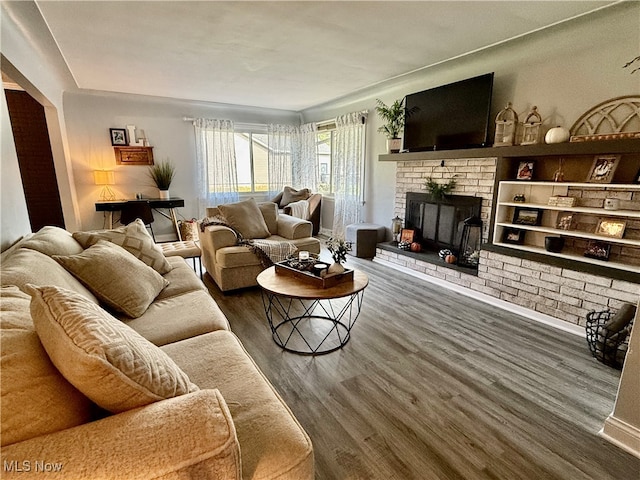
{"type": "Point", "coordinates": [364, 237]}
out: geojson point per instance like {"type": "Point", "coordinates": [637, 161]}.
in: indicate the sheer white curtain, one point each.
{"type": "Point", "coordinates": [280, 139]}
{"type": "Point", "coordinates": [216, 163]}
{"type": "Point", "coordinates": [305, 158]}
{"type": "Point", "coordinates": [292, 157]}
{"type": "Point", "coordinates": [348, 171]}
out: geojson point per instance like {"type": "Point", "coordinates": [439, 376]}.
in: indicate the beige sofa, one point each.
{"type": "Point", "coordinates": [234, 266]}
{"type": "Point", "coordinates": [229, 423]}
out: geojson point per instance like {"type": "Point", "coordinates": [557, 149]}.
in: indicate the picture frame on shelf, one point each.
{"type": "Point", "coordinates": [407, 235]}
{"type": "Point", "coordinates": [118, 137]}
{"type": "Point", "coordinates": [513, 235]}
{"type": "Point", "coordinates": [525, 171]}
{"type": "Point", "coordinates": [611, 228]}
{"type": "Point", "coordinates": [603, 168]}
{"type": "Point", "coordinates": [564, 221]}
{"type": "Point", "coordinates": [598, 250]}
{"type": "Point", "coordinates": [527, 216]}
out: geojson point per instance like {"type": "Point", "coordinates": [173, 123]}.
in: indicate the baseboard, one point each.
{"type": "Point", "coordinates": [510, 307]}
{"type": "Point", "coordinates": [622, 434]}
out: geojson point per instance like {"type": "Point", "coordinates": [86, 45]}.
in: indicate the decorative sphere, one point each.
{"type": "Point", "coordinates": [416, 247]}
{"type": "Point", "coordinates": [450, 259]}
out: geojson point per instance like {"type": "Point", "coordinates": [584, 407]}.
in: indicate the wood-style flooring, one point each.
{"type": "Point", "coordinates": [434, 385]}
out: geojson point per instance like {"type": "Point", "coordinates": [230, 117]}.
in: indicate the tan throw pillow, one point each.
{"type": "Point", "coordinates": [134, 238]}
{"type": "Point", "coordinates": [290, 195]}
{"type": "Point", "coordinates": [102, 357]}
{"type": "Point", "coordinates": [36, 398]}
{"type": "Point", "coordinates": [245, 217]}
{"type": "Point", "coordinates": [116, 277]}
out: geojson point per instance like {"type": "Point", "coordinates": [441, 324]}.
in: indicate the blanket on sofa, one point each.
{"type": "Point", "coordinates": [268, 251]}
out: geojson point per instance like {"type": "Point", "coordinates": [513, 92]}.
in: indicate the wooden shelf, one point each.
{"type": "Point", "coordinates": [519, 151]}
{"type": "Point", "coordinates": [570, 233]}
{"type": "Point", "coordinates": [134, 155]}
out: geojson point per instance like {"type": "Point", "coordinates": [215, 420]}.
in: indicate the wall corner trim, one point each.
{"type": "Point", "coordinates": [622, 434]}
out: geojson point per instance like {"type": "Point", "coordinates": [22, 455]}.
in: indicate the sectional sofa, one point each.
{"type": "Point", "coordinates": [134, 377]}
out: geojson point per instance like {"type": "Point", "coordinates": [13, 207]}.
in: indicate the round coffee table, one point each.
{"type": "Point", "coordinates": [308, 319]}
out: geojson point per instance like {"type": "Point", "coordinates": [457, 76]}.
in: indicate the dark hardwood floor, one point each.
{"type": "Point", "coordinates": [434, 385]}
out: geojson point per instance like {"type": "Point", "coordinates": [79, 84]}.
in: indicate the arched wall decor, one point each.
{"type": "Point", "coordinates": [614, 119]}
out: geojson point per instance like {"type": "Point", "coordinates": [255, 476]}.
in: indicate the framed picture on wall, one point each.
{"type": "Point", "coordinates": [525, 171]}
{"type": "Point", "coordinates": [603, 168]}
{"type": "Point", "coordinates": [118, 137]}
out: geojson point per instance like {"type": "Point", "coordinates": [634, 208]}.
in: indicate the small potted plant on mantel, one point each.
{"type": "Point", "coordinates": [394, 117]}
{"type": "Point", "coordinates": [162, 174]}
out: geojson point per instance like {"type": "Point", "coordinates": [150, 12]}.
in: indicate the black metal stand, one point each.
{"type": "Point", "coordinates": [294, 326]}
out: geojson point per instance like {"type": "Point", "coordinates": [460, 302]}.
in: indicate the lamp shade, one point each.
{"type": "Point", "coordinates": [104, 177]}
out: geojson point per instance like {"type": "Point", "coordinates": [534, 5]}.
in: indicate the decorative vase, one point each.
{"type": "Point", "coordinates": [554, 244]}
{"type": "Point", "coordinates": [164, 194]}
{"type": "Point", "coordinates": [335, 268]}
{"type": "Point", "coordinates": [394, 145]}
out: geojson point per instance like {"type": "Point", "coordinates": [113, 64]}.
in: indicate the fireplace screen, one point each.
{"type": "Point", "coordinates": [439, 222]}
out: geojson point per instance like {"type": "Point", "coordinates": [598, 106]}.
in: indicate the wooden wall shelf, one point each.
{"type": "Point", "coordinates": [134, 155]}
{"type": "Point", "coordinates": [569, 148]}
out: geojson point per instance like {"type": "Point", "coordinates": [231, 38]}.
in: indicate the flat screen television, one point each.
{"type": "Point", "coordinates": [449, 117]}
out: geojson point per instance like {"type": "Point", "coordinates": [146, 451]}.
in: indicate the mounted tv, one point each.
{"type": "Point", "coordinates": [449, 117]}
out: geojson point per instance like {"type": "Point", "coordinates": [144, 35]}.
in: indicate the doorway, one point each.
{"type": "Point", "coordinates": [35, 160]}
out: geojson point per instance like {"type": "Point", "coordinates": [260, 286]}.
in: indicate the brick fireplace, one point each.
{"type": "Point", "coordinates": [557, 291]}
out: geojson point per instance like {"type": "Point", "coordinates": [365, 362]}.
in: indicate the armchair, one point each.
{"type": "Point", "coordinates": [234, 266]}
{"type": "Point", "coordinates": [289, 196]}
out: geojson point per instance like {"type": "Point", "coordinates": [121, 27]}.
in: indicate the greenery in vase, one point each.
{"type": "Point", "coordinates": [439, 190]}
{"type": "Point", "coordinates": [393, 116]}
{"type": "Point", "coordinates": [162, 174]}
{"type": "Point", "coordinates": [338, 248]}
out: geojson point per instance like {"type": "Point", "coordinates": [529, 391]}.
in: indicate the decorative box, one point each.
{"type": "Point", "coordinates": [561, 201]}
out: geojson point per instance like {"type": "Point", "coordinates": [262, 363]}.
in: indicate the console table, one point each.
{"type": "Point", "coordinates": [169, 204]}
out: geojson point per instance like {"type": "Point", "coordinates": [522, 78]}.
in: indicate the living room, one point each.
{"type": "Point", "coordinates": [564, 69]}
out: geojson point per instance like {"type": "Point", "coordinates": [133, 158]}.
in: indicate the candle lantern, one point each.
{"type": "Point", "coordinates": [531, 128]}
{"type": "Point", "coordinates": [506, 123]}
{"type": "Point", "coordinates": [469, 254]}
{"type": "Point", "coordinates": [396, 228]}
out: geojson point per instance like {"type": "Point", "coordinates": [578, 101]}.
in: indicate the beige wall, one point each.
{"type": "Point", "coordinates": [564, 70]}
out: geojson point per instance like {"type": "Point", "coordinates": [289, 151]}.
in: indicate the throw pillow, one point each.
{"type": "Point", "coordinates": [102, 357]}
{"type": "Point", "coordinates": [116, 277]}
{"type": "Point", "coordinates": [292, 195]}
{"type": "Point", "coordinates": [245, 217]}
{"type": "Point", "coordinates": [36, 399]}
{"type": "Point", "coordinates": [134, 238]}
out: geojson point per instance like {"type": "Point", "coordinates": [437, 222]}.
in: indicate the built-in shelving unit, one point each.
{"type": "Point", "coordinates": [577, 159]}
{"type": "Point", "coordinates": [537, 194]}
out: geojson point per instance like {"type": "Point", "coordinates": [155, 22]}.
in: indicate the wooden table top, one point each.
{"type": "Point", "coordinates": [290, 286]}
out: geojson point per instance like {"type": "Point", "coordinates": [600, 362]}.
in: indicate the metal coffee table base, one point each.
{"type": "Point", "coordinates": [311, 326]}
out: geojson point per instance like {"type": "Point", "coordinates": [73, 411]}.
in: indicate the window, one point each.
{"type": "Point", "coordinates": [325, 156]}
{"type": "Point", "coordinates": [251, 161]}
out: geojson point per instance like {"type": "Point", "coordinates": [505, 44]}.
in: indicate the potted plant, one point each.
{"type": "Point", "coordinates": [439, 190]}
{"type": "Point", "coordinates": [162, 174]}
{"type": "Point", "coordinates": [338, 249]}
{"type": "Point", "coordinates": [394, 117]}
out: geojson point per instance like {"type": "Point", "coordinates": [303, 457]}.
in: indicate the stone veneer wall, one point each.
{"type": "Point", "coordinates": [562, 293]}
{"type": "Point", "coordinates": [474, 177]}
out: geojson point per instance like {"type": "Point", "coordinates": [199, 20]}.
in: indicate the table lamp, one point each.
{"type": "Point", "coordinates": [106, 178]}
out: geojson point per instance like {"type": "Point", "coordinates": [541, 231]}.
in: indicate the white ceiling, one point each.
{"type": "Point", "coordinates": [289, 55]}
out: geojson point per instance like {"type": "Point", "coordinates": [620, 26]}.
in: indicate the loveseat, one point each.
{"type": "Point", "coordinates": [234, 266]}
{"type": "Point", "coordinates": [89, 392]}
